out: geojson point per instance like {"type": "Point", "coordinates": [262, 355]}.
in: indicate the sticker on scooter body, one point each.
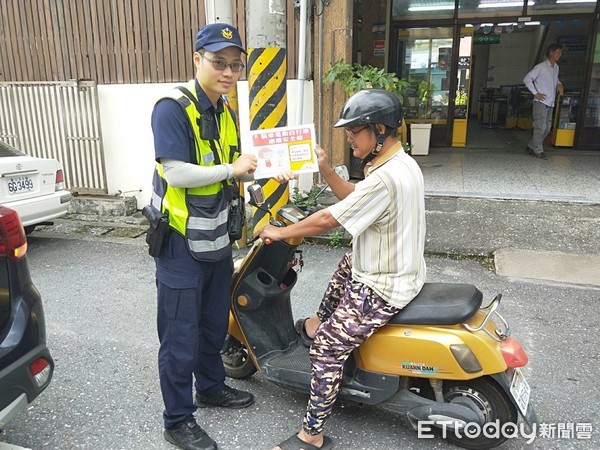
{"type": "Point", "coordinates": [419, 368]}
{"type": "Point", "coordinates": [520, 390]}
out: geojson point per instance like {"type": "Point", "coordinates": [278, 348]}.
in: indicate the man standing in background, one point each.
{"type": "Point", "coordinates": [543, 83]}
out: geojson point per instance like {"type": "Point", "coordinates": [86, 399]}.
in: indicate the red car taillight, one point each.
{"type": "Point", "coordinates": [40, 369]}
{"type": "Point", "coordinates": [13, 242]}
{"type": "Point", "coordinates": [513, 353]}
{"type": "Point", "coordinates": [59, 182]}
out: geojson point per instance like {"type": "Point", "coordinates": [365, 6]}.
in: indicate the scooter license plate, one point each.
{"type": "Point", "coordinates": [520, 390]}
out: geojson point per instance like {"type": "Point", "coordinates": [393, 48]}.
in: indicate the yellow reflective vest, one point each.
{"type": "Point", "coordinates": [200, 213]}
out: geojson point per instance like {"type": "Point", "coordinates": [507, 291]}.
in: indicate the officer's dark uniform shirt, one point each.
{"type": "Point", "coordinates": [173, 136]}
{"type": "Point", "coordinates": [174, 139]}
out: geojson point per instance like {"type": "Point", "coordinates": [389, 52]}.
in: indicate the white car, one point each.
{"type": "Point", "coordinates": [34, 187]}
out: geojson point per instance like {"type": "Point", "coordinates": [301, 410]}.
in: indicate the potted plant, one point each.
{"type": "Point", "coordinates": [354, 77]}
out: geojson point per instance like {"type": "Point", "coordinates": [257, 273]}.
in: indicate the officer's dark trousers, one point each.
{"type": "Point", "coordinates": [192, 316]}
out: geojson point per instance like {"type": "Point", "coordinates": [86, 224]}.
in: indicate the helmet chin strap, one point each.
{"type": "Point", "coordinates": [373, 153]}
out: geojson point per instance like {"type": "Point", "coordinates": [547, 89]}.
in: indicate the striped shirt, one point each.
{"type": "Point", "coordinates": [386, 217]}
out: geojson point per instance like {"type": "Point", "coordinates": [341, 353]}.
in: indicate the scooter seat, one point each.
{"type": "Point", "coordinates": [441, 304]}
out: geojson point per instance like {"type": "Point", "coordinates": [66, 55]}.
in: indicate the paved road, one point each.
{"type": "Point", "coordinates": [99, 300]}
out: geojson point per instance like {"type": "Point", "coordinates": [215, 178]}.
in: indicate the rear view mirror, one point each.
{"type": "Point", "coordinates": [342, 171]}
{"type": "Point", "coordinates": [257, 196]}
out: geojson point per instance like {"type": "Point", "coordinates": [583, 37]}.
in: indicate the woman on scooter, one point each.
{"type": "Point", "coordinates": [385, 214]}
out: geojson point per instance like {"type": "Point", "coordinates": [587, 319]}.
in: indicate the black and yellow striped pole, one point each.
{"type": "Point", "coordinates": [267, 67]}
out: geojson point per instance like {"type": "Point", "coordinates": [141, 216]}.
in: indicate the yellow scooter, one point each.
{"type": "Point", "coordinates": [444, 363]}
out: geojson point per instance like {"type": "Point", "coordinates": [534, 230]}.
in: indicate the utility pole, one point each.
{"type": "Point", "coordinates": [222, 11]}
{"type": "Point", "coordinates": [335, 36]}
{"type": "Point", "coordinates": [218, 11]}
{"type": "Point", "coordinates": [267, 67]}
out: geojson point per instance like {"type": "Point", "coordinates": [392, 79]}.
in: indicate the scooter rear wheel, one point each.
{"type": "Point", "coordinates": [493, 403]}
{"type": "Point", "coordinates": [236, 360]}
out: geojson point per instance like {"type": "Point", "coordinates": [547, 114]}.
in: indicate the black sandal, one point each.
{"type": "Point", "coordinates": [306, 340]}
{"type": "Point", "coordinates": [295, 443]}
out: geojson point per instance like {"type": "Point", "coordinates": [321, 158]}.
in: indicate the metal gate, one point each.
{"type": "Point", "coordinates": [58, 120]}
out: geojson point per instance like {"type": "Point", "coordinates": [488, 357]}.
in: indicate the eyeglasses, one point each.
{"type": "Point", "coordinates": [352, 133]}
{"type": "Point", "coordinates": [222, 65]}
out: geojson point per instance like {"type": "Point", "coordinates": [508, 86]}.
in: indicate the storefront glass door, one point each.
{"type": "Point", "coordinates": [424, 59]}
{"type": "Point", "coordinates": [461, 98]}
{"type": "Point", "coordinates": [589, 134]}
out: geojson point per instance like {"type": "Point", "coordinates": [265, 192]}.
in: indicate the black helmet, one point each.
{"type": "Point", "coordinates": [370, 107]}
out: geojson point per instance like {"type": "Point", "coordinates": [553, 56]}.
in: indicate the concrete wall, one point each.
{"type": "Point", "coordinates": [125, 112]}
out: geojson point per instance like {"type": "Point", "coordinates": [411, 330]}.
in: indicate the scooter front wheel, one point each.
{"type": "Point", "coordinates": [494, 404]}
{"type": "Point", "coordinates": [236, 360]}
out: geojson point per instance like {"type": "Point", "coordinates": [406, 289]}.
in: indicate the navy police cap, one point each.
{"type": "Point", "coordinates": [217, 36]}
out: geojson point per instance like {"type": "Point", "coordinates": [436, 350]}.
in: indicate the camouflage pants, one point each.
{"type": "Point", "coordinates": [358, 315]}
{"type": "Point", "coordinates": [335, 288]}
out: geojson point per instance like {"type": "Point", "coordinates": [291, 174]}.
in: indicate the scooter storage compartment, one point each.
{"type": "Point", "coordinates": [265, 314]}
{"type": "Point", "coordinates": [261, 288]}
{"type": "Point", "coordinates": [264, 277]}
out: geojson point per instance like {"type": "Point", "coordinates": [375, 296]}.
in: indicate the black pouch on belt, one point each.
{"type": "Point", "coordinates": [236, 219]}
{"type": "Point", "coordinates": [156, 237]}
{"type": "Point", "coordinates": [236, 216]}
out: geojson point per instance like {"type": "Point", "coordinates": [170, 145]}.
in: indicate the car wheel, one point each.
{"type": "Point", "coordinates": [29, 229]}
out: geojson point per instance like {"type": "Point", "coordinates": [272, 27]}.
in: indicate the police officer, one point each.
{"type": "Point", "coordinates": [197, 154]}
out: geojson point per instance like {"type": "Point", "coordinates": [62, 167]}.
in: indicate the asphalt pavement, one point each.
{"type": "Point", "coordinates": [99, 299]}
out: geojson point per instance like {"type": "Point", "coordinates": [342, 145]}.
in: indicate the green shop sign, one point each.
{"type": "Point", "coordinates": [486, 39]}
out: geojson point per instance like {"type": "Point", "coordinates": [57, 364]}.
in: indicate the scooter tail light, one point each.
{"type": "Point", "coordinates": [513, 354]}
{"type": "Point", "coordinates": [40, 369]}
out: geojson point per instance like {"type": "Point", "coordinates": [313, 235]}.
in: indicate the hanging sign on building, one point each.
{"type": "Point", "coordinates": [464, 62]}
{"type": "Point", "coordinates": [573, 43]}
{"type": "Point", "coordinates": [379, 47]}
{"type": "Point", "coordinates": [378, 30]}
{"type": "Point", "coordinates": [481, 39]}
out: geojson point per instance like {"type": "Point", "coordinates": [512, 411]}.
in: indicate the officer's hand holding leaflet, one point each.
{"type": "Point", "coordinates": [182, 174]}
{"type": "Point", "coordinates": [246, 163]}
{"type": "Point", "coordinates": [186, 175]}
